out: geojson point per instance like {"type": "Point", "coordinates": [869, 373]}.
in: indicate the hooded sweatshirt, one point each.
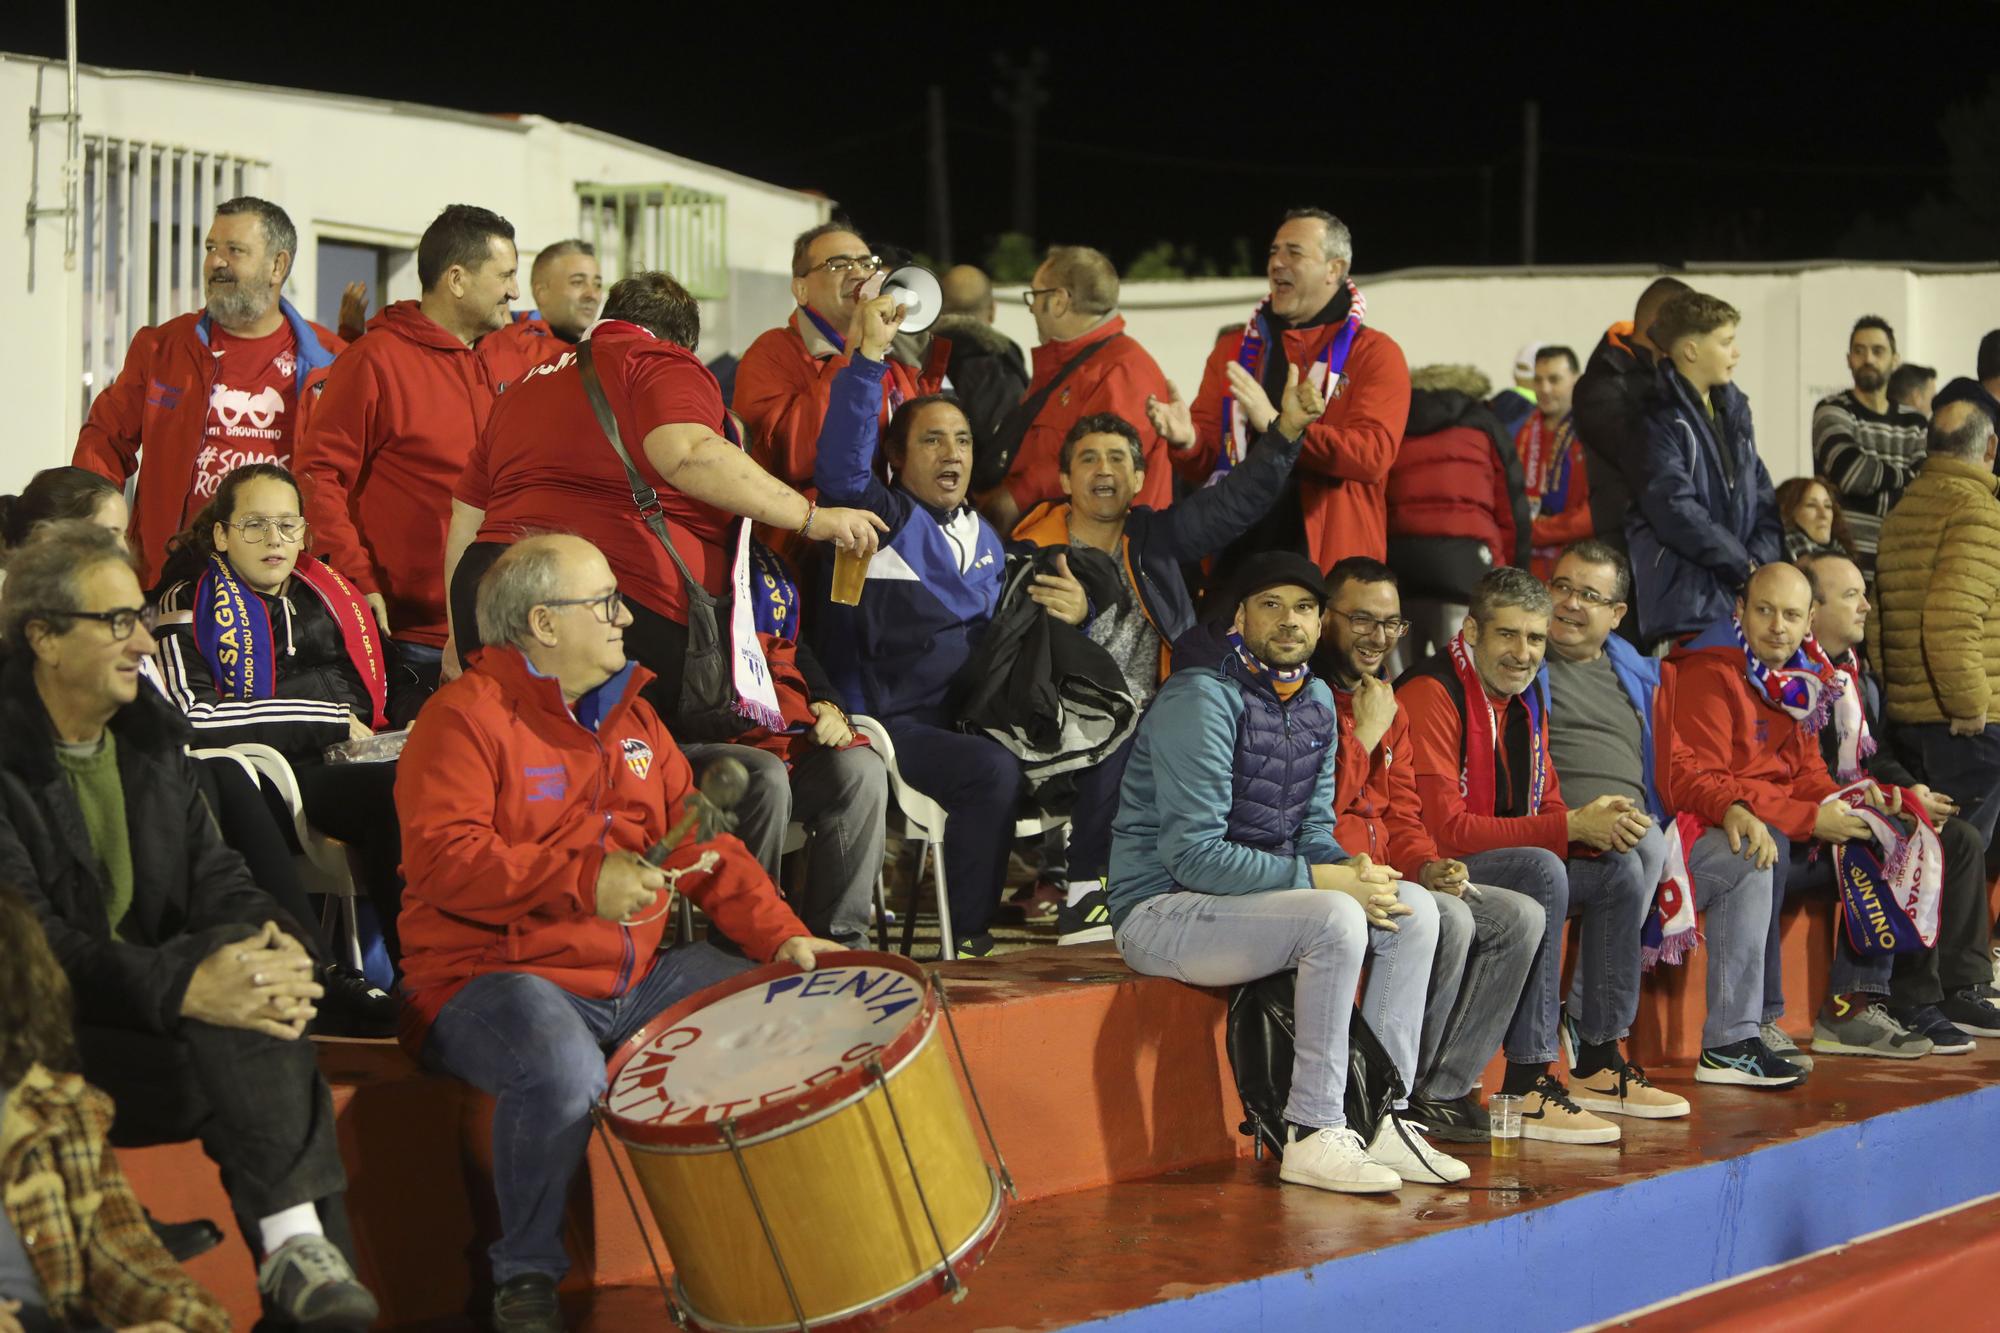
{"type": "Point", "coordinates": [384, 445]}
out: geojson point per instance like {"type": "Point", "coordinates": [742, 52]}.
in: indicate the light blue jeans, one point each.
{"type": "Point", "coordinates": [1217, 939]}
{"type": "Point", "coordinates": [540, 1051]}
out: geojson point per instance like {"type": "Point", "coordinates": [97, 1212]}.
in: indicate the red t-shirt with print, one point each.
{"type": "Point", "coordinates": [253, 408]}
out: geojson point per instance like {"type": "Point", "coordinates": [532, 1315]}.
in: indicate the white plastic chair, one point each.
{"type": "Point", "coordinates": [925, 819]}
{"type": "Point", "coordinates": [324, 866]}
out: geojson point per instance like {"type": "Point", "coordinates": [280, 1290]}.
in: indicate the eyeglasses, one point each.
{"type": "Point", "coordinates": [1367, 627]}
{"type": "Point", "coordinates": [258, 530]}
{"type": "Point", "coordinates": [1028, 297]}
{"type": "Point", "coordinates": [842, 263]}
{"type": "Point", "coordinates": [121, 622]}
{"type": "Point", "coordinates": [1590, 597]}
{"type": "Point", "coordinates": [605, 608]}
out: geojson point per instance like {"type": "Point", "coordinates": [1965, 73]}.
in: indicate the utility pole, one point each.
{"type": "Point", "coordinates": [940, 201]}
{"type": "Point", "coordinates": [1021, 95]}
{"type": "Point", "coordinates": [1531, 174]}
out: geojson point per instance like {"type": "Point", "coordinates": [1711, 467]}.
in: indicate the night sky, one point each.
{"type": "Point", "coordinates": [1671, 133]}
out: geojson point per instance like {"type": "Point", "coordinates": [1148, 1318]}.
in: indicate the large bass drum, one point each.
{"type": "Point", "coordinates": [805, 1147]}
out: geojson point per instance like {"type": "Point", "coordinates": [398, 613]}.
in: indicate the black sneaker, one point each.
{"type": "Point", "coordinates": [307, 1282]}
{"type": "Point", "coordinates": [976, 946]}
{"type": "Point", "coordinates": [1747, 1063]}
{"type": "Point", "coordinates": [1089, 922]}
{"type": "Point", "coordinates": [1928, 1020]}
{"type": "Point", "coordinates": [185, 1240]}
{"type": "Point", "coordinates": [1457, 1120]}
{"type": "Point", "coordinates": [527, 1304]}
{"type": "Point", "coordinates": [353, 1006]}
{"type": "Point", "coordinates": [1972, 1010]}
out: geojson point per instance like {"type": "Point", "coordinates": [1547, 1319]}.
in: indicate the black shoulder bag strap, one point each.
{"type": "Point", "coordinates": [705, 711]}
{"type": "Point", "coordinates": [644, 496]}
{"type": "Point", "coordinates": [1014, 427]}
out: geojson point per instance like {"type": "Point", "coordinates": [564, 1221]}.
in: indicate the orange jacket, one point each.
{"type": "Point", "coordinates": [160, 401]}
{"type": "Point", "coordinates": [781, 393]}
{"type": "Point", "coordinates": [513, 351]}
{"type": "Point", "coordinates": [379, 454]}
{"type": "Point", "coordinates": [1375, 804]}
{"type": "Point", "coordinates": [1746, 748]}
{"type": "Point", "coordinates": [509, 807]}
{"type": "Point", "coordinates": [1118, 379]}
{"type": "Point", "coordinates": [1345, 457]}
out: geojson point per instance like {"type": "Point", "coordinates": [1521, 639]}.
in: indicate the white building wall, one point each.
{"type": "Point", "coordinates": [1794, 331]}
{"type": "Point", "coordinates": [347, 169]}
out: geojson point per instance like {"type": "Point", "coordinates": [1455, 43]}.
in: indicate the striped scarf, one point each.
{"type": "Point", "coordinates": [1284, 681]}
{"type": "Point", "coordinates": [1802, 687]}
{"type": "Point", "coordinates": [1327, 372]}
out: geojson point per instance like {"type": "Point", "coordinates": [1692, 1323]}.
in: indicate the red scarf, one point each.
{"type": "Point", "coordinates": [1485, 730]}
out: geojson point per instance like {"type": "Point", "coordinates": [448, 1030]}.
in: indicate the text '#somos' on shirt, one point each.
{"type": "Point", "coordinates": [252, 408]}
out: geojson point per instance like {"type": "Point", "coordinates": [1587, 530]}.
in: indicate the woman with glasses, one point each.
{"type": "Point", "coordinates": [261, 642]}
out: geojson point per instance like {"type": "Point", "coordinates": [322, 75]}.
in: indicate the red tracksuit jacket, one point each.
{"type": "Point", "coordinates": [1118, 379]}
{"type": "Point", "coordinates": [509, 806]}
{"type": "Point", "coordinates": [1747, 747]}
{"type": "Point", "coordinates": [1375, 803]}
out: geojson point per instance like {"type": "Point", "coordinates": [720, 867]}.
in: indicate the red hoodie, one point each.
{"type": "Point", "coordinates": [509, 806]}
{"type": "Point", "coordinates": [1376, 807]}
{"type": "Point", "coordinates": [383, 446]}
{"type": "Point", "coordinates": [1746, 746]}
{"type": "Point", "coordinates": [1118, 379]}
{"type": "Point", "coordinates": [512, 352]}
{"type": "Point", "coordinates": [1345, 457]}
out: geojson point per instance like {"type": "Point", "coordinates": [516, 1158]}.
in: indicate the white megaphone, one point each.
{"type": "Point", "coordinates": [920, 294]}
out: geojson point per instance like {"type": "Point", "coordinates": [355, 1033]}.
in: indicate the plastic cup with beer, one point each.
{"type": "Point", "coordinates": [850, 573]}
{"type": "Point", "coordinates": [1503, 1113]}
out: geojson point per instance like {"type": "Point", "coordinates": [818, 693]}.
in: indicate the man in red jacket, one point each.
{"type": "Point", "coordinates": [1377, 811]}
{"type": "Point", "coordinates": [213, 390]}
{"type": "Point", "coordinates": [1085, 364]}
{"type": "Point", "coordinates": [1315, 316]}
{"type": "Point", "coordinates": [532, 925]}
{"type": "Point", "coordinates": [786, 375]}
{"type": "Point", "coordinates": [1479, 735]}
{"type": "Point", "coordinates": [391, 430]}
{"type": "Point", "coordinates": [568, 288]}
{"type": "Point", "coordinates": [1752, 703]}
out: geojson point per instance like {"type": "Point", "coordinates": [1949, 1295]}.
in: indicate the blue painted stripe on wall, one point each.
{"type": "Point", "coordinates": [1589, 1258]}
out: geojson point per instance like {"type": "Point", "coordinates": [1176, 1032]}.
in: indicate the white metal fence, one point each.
{"type": "Point", "coordinates": [146, 209]}
{"type": "Point", "coordinates": [668, 227]}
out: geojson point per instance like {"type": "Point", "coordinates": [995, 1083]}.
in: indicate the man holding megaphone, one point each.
{"type": "Point", "coordinates": [786, 375]}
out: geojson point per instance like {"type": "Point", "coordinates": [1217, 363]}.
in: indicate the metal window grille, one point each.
{"type": "Point", "coordinates": [670, 227]}
{"type": "Point", "coordinates": [146, 208]}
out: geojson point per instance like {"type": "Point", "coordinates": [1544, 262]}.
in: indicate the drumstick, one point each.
{"type": "Point", "coordinates": [721, 785]}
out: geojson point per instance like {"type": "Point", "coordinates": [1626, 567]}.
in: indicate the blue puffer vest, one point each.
{"type": "Point", "coordinates": [1279, 749]}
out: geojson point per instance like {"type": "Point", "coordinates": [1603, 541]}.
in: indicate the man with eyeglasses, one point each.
{"type": "Point", "coordinates": [533, 924]}
{"type": "Point", "coordinates": [211, 390]}
{"type": "Point", "coordinates": [1086, 364]}
{"type": "Point", "coordinates": [1612, 734]}
{"type": "Point", "coordinates": [1487, 934]}
{"type": "Point", "coordinates": [193, 989]}
{"type": "Point", "coordinates": [786, 375]}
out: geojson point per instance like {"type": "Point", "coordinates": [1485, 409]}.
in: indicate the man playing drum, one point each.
{"type": "Point", "coordinates": [532, 926]}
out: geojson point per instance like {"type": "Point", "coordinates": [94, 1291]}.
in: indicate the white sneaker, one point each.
{"type": "Point", "coordinates": [1333, 1159]}
{"type": "Point", "coordinates": [1409, 1156]}
{"type": "Point", "coordinates": [1996, 967]}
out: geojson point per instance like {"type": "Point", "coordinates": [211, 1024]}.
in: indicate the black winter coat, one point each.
{"type": "Point", "coordinates": [191, 894]}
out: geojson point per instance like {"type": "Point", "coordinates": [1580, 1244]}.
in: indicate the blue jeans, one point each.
{"type": "Point", "coordinates": [1734, 897]}
{"type": "Point", "coordinates": [1221, 939]}
{"type": "Point", "coordinates": [1793, 875]}
{"type": "Point", "coordinates": [1486, 943]}
{"type": "Point", "coordinates": [539, 1050]}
